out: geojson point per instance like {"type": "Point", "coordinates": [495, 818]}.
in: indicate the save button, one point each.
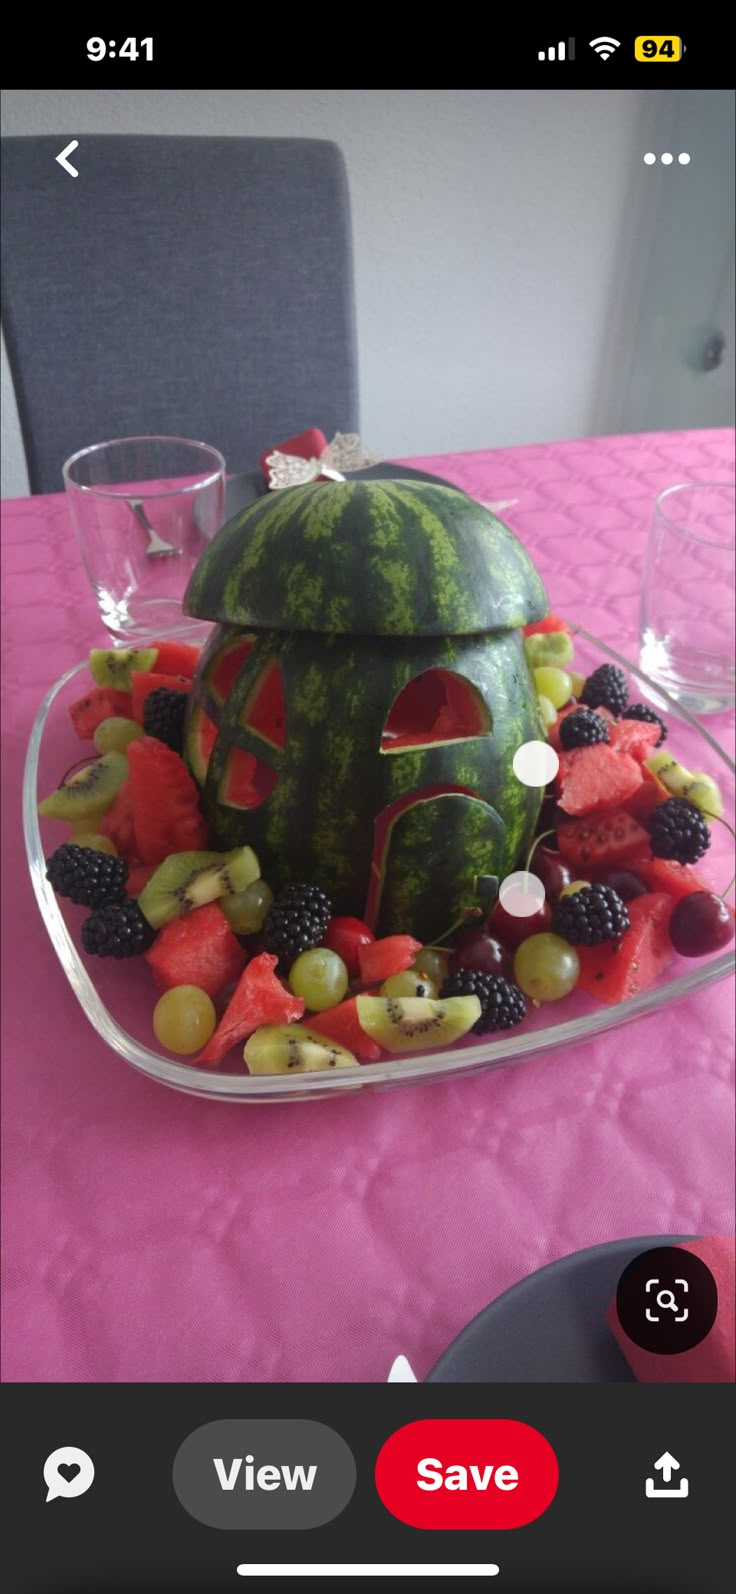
{"type": "Point", "coordinates": [472, 1472]}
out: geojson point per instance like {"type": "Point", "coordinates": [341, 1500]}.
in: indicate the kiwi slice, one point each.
{"type": "Point", "coordinates": [292, 1049]}
{"type": "Point", "coordinates": [548, 648]}
{"type": "Point", "coordinates": [674, 776]}
{"type": "Point", "coordinates": [705, 793]}
{"type": "Point", "coordinates": [187, 880]}
{"type": "Point", "coordinates": [89, 793]}
{"type": "Point", "coordinates": [413, 1023]}
{"type": "Point", "coordinates": [115, 666]}
{"type": "Point", "coordinates": [410, 983]}
{"type": "Point", "coordinates": [115, 734]}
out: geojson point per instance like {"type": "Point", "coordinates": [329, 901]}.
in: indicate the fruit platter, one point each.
{"type": "Point", "coordinates": [271, 859]}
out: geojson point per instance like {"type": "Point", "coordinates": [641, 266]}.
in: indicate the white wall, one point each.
{"type": "Point", "coordinates": [487, 225]}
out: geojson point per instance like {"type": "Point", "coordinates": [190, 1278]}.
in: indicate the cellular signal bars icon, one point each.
{"type": "Point", "coordinates": [558, 52]}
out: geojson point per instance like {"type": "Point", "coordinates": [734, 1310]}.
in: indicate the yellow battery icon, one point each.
{"type": "Point", "coordinates": [658, 47]}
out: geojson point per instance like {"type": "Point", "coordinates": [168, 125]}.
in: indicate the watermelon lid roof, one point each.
{"type": "Point", "coordinates": [373, 558]}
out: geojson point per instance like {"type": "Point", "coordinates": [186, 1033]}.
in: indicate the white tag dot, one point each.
{"type": "Point", "coordinates": [535, 763]}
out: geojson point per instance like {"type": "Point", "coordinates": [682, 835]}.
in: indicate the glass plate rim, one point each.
{"type": "Point", "coordinates": [424, 1067]}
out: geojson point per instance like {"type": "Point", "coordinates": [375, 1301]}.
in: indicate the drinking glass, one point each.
{"type": "Point", "coordinates": [689, 596]}
{"type": "Point", "coordinates": [143, 510]}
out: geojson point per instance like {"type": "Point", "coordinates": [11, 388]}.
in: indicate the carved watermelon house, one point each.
{"type": "Point", "coordinates": [356, 711]}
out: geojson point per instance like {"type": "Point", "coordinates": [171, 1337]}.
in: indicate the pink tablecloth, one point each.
{"type": "Point", "coordinates": [150, 1236]}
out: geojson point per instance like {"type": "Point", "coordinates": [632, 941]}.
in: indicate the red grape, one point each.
{"type": "Point", "coordinates": [511, 931]}
{"type": "Point", "coordinates": [344, 936]}
{"type": "Point", "coordinates": [476, 948]}
{"type": "Point", "coordinates": [550, 869]}
{"type": "Point", "coordinates": [702, 922]}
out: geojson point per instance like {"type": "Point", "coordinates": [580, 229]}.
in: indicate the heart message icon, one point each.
{"type": "Point", "coordinates": [68, 1472]}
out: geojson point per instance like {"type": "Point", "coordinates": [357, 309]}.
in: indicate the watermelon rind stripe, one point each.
{"type": "Point", "coordinates": [380, 558]}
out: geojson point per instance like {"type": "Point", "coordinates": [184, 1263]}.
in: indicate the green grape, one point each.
{"type": "Point", "coordinates": [554, 684]}
{"type": "Point", "coordinates": [432, 962]}
{"type": "Point", "coordinates": [574, 887]}
{"type": "Point", "coordinates": [705, 792]}
{"type": "Point", "coordinates": [546, 967]}
{"type": "Point", "coordinates": [94, 842]}
{"type": "Point", "coordinates": [554, 647]}
{"type": "Point", "coordinates": [675, 777]}
{"type": "Point", "coordinates": [183, 1019]}
{"type": "Point", "coordinates": [547, 711]}
{"type": "Point", "coordinates": [113, 735]}
{"type": "Point", "coordinates": [320, 977]}
{"type": "Point", "coordinates": [578, 683]}
{"type": "Point", "coordinates": [245, 911]}
{"type": "Point", "coordinates": [410, 983]}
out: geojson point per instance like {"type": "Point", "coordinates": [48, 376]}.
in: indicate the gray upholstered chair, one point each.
{"type": "Point", "coordinates": [197, 287]}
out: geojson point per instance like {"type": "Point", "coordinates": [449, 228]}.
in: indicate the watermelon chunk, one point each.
{"type": "Point", "coordinates": [594, 778]}
{"type": "Point", "coordinates": [600, 843]}
{"type": "Point", "coordinates": [647, 797]}
{"type": "Point", "coordinates": [611, 973]}
{"type": "Point", "coordinates": [677, 879]}
{"type": "Point", "coordinates": [259, 998]}
{"type": "Point", "coordinates": [176, 658]}
{"type": "Point", "coordinates": [198, 949]}
{"type": "Point", "coordinates": [635, 737]}
{"type": "Point", "coordinates": [341, 1024]}
{"type": "Point", "coordinates": [145, 681]}
{"type": "Point", "coordinates": [118, 822]}
{"type": "Point", "coordinates": [104, 703]}
{"type": "Point", "coordinates": [392, 955]}
{"type": "Point", "coordinates": [542, 627]}
{"type": "Point", "coordinates": [165, 802]}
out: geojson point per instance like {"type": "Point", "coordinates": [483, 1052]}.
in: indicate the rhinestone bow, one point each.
{"type": "Point", "coordinates": [344, 454]}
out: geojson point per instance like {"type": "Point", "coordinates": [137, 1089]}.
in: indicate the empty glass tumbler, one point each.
{"type": "Point", "coordinates": [143, 510]}
{"type": "Point", "coordinates": [688, 609]}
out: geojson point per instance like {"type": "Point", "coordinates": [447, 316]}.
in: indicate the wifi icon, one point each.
{"type": "Point", "coordinates": [604, 47]}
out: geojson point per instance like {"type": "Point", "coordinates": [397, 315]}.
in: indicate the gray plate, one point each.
{"type": "Point", "coordinates": [243, 490]}
{"type": "Point", "coordinates": [550, 1328]}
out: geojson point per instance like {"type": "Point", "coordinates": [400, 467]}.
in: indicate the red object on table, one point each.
{"type": "Point", "coordinates": [314, 1242]}
{"type": "Point", "coordinates": [308, 445]}
{"type": "Point", "coordinates": [713, 1361]}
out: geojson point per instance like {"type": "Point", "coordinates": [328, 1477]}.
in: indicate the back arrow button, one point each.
{"type": "Point", "coordinates": [72, 170]}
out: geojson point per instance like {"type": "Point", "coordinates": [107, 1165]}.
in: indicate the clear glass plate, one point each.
{"type": "Point", "coordinates": [118, 998]}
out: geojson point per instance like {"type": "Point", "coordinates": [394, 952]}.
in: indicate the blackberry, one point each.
{"type": "Point", "coordinates": [678, 830]}
{"type": "Point", "coordinates": [590, 916]}
{"type": "Point", "coordinates": [502, 1004]}
{"type": "Point", "coordinates": [296, 921]}
{"type": "Point", "coordinates": [163, 717]}
{"type": "Point", "coordinates": [93, 879]}
{"type": "Point", "coordinates": [117, 931]}
{"type": "Point", "coordinates": [642, 711]}
{"type": "Point", "coordinates": [583, 728]}
{"type": "Point", "coordinates": [606, 688]}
